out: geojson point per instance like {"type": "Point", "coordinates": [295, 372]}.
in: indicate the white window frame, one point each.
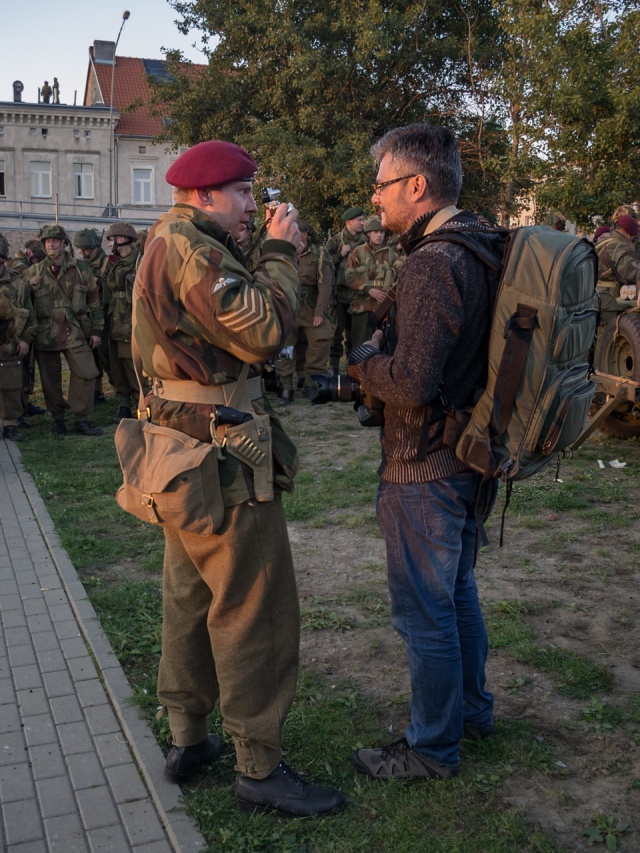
{"type": "Point", "coordinates": [83, 180]}
{"type": "Point", "coordinates": [138, 184]}
{"type": "Point", "coordinates": [40, 179]}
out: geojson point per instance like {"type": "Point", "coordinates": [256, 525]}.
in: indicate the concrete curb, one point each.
{"type": "Point", "coordinates": [181, 829]}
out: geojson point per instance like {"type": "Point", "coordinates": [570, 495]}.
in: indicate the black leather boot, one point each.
{"type": "Point", "coordinates": [85, 428]}
{"type": "Point", "coordinates": [123, 412]}
{"type": "Point", "coordinates": [59, 428]}
{"type": "Point", "coordinates": [11, 433]}
{"type": "Point", "coordinates": [286, 794]}
{"type": "Point", "coordinates": [286, 397]}
{"type": "Point", "coordinates": [183, 762]}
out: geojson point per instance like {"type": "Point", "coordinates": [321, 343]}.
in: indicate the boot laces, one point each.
{"type": "Point", "coordinates": [395, 750]}
{"type": "Point", "coordinates": [291, 773]}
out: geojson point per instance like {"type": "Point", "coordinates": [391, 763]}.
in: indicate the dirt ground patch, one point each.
{"type": "Point", "coordinates": [574, 573]}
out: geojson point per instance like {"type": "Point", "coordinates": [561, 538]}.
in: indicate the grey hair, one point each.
{"type": "Point", "coordinates": [428, 150]}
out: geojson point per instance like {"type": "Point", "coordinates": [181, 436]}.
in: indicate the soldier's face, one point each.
{"type": "Point", "coordinates": [355, 226]}
{"type": "Point", "coordinates": [232, 207]}
{"type": "Point", "coordinates": [376, 238]}
{"type": "Point", "coordinates": [53, 246]}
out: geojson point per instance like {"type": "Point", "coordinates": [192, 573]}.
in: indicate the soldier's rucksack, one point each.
{"type": "Point", "coordinates": [539, 390]}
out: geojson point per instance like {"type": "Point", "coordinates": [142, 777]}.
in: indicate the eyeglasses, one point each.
{"type": "Point", "coordinates": [378, 187]}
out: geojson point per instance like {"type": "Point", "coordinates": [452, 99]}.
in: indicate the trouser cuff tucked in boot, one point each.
{"type": "Point", "coordinates": [255, 759]}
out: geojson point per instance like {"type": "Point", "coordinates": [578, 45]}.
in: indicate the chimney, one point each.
{"type": "Point", "coordinates": [103, 52]}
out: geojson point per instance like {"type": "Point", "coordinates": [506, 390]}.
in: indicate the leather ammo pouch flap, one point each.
{"type": "Point", "coordinates": [251, 443]}
{"type": "Point", "coordinates": [169, 478]}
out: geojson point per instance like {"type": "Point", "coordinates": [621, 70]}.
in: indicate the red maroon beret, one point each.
{"type": "Point", "coordinates": [629, 223]}
{"type": "Point", "coordinates": [211, 164]}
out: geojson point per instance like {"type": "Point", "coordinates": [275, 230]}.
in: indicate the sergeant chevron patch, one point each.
{"type": "Point", "coordinates": [251, 310]}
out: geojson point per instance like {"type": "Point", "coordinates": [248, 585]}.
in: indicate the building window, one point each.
{"type": "Point", "coordinates": [142, 149]}
{"type": "Point", "coordinates": [141, 186]}
{"type": "Point", "coordinates": [83, 180]}
{"type": "Point", "coordinates": [40, 179]}
{"type": "Point", "coordinates": [2, 174]}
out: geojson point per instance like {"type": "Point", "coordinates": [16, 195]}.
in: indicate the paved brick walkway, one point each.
{"type": "Point", "coordinates": [79, 770]}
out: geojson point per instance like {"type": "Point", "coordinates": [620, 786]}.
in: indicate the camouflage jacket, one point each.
{"type": "Point", "coordinates": [334, 248]}
{"type": "Point", "coordinates": [15, 291]}
{"type": "Point", "coordinates": [19, 263]}
{"type": "Point", "coordinates": [121, 275]}
{"type": "Point", "coordinates": [67, 304]}
{"type": "Point", "coordinates": [367, 267]}
{"type": "Point", "coordinates": [198, 314]}
{"type": "Point", "coordinates": [617, 260]}
{"type": "Point", "coordinates": [99, 266]}
{"type": "Point", "coordinates": [316, 280]}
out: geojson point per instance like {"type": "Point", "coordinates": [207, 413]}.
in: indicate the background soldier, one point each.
{"type": "Point", "coordinates": [89, 245]}
{"type": "Point", "coordinates": [371, 270]}
{"type": "Point", "coordinates": [15, 337]}
{"type": "Point", "coordinates": [121, 274]}
{"type": "Point", "coordinates": [557, 221]}
{"type": "Point", "coordinates": [21, 263]}
{"type": "Point", "coordinates": [314, 334]}
{"type": "Point", "coordinates": [68, 312]}
{"type": "Point", "coordinates": [618, 263]}
{"type": "Point", "coordinates": [45, 92]}
{"type": "Point", "coordinates": [339, 248]}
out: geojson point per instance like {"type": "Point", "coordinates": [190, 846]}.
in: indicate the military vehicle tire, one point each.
{"type": "Point", "coordinates": [618, 353]}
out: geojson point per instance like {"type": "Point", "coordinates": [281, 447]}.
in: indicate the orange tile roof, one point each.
{"type": "Point", "coordinates": [130, 87]}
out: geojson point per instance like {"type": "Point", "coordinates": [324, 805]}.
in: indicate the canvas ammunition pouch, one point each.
{"type": "Point", "coordinates": [10, 375]}
{"type": "Point", "coordinates": [170, 478]}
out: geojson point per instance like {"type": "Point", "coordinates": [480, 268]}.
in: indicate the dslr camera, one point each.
{"type": "Point", "coordinates": [344, 389]}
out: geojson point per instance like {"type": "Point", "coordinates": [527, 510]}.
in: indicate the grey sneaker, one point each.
{"type": "Point", "coordinates": [398, 761]}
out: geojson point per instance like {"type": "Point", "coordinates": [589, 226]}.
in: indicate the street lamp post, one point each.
{"type": "Point", "coordinates": [110, 209]}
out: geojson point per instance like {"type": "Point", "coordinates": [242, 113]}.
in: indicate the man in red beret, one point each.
{"type": "Point", "coordinates": [203, 325]}
{"type": "Point", "coordinates": [618, 262]}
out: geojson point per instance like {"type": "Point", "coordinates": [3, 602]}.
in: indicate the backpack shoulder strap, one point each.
{"type": "Point", "coordinates": [464, 238]}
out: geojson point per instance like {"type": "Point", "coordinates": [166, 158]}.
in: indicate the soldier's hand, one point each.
{"type": "Point", "coordinates": [22, 348]}
{"type": "Point", "coordinates": [34, 282]}
{"type": "Point", "coordinates": [377, 294]}
{"type": "Point", "coordinates": [95, 341]}
{"type": "Point", "coordinates": [283, 225]}
{"type": "Point", "coordinates": [345, 250]}
{"type": "Point", "coordinates": [317, 321]}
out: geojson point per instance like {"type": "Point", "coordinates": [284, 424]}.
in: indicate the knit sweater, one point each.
{"type": "Point", "coordinates": [442, 323]}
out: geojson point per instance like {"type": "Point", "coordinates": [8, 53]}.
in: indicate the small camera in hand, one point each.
{"type": "Point", "coordinates": [269, 196]}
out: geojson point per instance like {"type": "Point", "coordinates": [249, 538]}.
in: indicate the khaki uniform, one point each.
{"type": "Point", "coordinates": [99, 266]}
{"type": "Point", "coordinates": [121, 274]}
{"type": "Point", "coordinates": [312, 343]}
{"type": "Point", "coordinates": [230, 607]}
{"type": "Point", "coordinates": [368, 266]}
{"type": "Point", "coordinates": [618, 263]}
{"type": "Point", "coordinates": [68, 312]}
{"type": "Point", "coordinates": [343, 293]}
{"type": "Point", "coordinates": [15, 291]}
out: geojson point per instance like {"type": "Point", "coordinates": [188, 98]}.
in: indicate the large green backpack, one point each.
{"type": "Point", "coordinates": [539, 390]}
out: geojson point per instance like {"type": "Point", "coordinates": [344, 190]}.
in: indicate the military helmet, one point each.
{"type": "Point", "coordinates": [53, 231]}
{"type": "Point", "coordinates": [122, 229]}
{"type": "Point", "coordinates": [374, 223]}
{"type": "Point", "coordinates": [87, 238]}
{"type": "Point", "coordinates": [4, 246]}
{"type": "Point", "coordinates": [624, 210]}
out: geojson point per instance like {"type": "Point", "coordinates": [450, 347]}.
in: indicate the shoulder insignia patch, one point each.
{"type": "Point", "coordinates": [222, 282]}
{"type": "Point", "coordinates": [250, 309]}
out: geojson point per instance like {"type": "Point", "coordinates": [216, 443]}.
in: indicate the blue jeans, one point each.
{"type": "Point", "coordinates": [429, 530]}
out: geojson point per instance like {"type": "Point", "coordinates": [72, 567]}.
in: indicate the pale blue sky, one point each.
{"type": "Point", "coordinates": [43, 39]}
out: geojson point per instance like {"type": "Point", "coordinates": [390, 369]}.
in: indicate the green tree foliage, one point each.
{"type": "Point", "coordinates": [542, 93]}
{"type": "Point", "coordinates": [308, 85]}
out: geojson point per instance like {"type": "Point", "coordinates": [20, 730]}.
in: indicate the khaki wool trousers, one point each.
{"type": "Point", "coordinates": [82, 380]}
{"type": "Point", "coordinates": [231, 631]}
